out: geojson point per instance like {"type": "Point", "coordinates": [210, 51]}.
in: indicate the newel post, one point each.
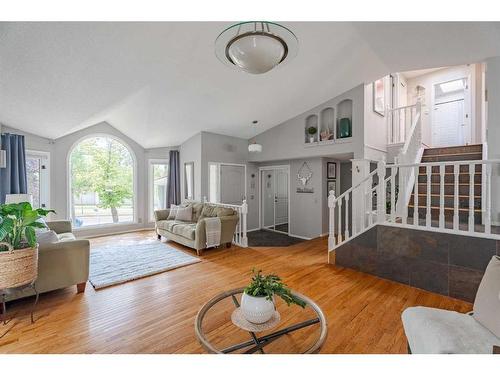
{"type": "Point", "coordinates": [331, 220]}
{"type": "Point", "coordinates": [381, 192]}
{"type": "Point", "coordinates": [244, 211]}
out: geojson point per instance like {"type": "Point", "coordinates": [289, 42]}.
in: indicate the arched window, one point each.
{"type": "Point", "coordinates": [101, 172]}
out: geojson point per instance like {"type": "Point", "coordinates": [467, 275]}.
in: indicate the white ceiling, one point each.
{"type": "Point", "coordinates": [160, 83]}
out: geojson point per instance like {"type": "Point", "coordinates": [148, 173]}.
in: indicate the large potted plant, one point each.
{"type": "Point", "coordinates": [18, 247]}
{"type": "Point", "coordinates": [257, 302]}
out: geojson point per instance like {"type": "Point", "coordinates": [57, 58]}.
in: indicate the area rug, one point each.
{"type": "Point", "coordinates": [267, 238]}
{"type": "Point", "coordinates": [116, 264]}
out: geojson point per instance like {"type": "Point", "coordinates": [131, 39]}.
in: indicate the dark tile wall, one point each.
{"type": "Point", "coordinates": [447, 264]}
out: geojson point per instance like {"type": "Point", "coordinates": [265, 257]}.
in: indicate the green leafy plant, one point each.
{"type": "Point", "coordinates": [18, 222]}
{"type": "Point", "coordinates": [312, 130]}
{"type": "Point", "coordinates": [270, 285]}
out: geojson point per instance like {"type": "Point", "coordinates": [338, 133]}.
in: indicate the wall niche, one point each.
{"type": "Point", "coordinates": [327, 124]}
{"type": "Point", "coordinates": [311, 129]}
{"type": "Point", "coordinates": [344, 119]}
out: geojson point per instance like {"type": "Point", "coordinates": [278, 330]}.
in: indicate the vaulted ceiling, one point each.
{"type": "Point", "coordinates": [160, 83]}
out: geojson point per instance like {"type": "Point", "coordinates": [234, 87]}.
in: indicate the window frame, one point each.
{"type": "Point", "coordinates": [69, 192]}
{"type": "Point", "coordinates": [46, 178]}
{"type": "Point", "coordinates": [151, 163]}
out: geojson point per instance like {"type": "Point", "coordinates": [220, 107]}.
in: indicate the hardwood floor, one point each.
{"type": "Point", "coordinates": [156, 314]}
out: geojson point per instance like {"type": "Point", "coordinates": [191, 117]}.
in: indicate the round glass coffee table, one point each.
{"type": "Point", "coordinates": [295, 329]}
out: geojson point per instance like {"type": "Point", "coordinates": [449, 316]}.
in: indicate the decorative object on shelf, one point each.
{"type": "Point", "coordinates": [345, 128]}
{"type": "Point", "coordinates": [257, 301]}
{"type": "Point", "coordinates": [305, 173]}
{"type": "Point", "coordinates": [331, 185]}
{"type": "Point", "coordinates": [305, 190]}
{"type": "Point", "coordinates": [256, 47]}
{"type": "Point", "coordinates": [255, 147]}
{"type": "Point", "coordinates": [312, 130]}
{"type": "Point", "coordinates": [326, 135]}
{"type": "Point", "coordinates": [379, 97]}
{"type": "Point", "coordinates": [331, 170]}
{"type": "Point", "coordinates": [18, 247]}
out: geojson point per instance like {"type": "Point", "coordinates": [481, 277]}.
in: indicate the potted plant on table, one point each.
{"type": "Point", "coordinates": [18, 247]}
{"type": "Point", "coordinates": [257, 302]}
{"type": "Point", "coordinates": [311, 130]}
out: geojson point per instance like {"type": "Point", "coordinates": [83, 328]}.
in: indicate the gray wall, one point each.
{"type": "Point", "coordinates": [286, 141]}
{"type": "Point", "coordinates": [190, 151]}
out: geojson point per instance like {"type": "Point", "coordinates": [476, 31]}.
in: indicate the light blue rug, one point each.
{"type": "Point", "coordinates": [116, 264]}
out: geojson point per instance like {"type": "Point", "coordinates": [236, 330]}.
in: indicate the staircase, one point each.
{"type": "Point", "coordinates": [451, 173]}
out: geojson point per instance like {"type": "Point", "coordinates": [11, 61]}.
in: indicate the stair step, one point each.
{"type": "Point", "coordinates": [449, 201]}
{"type": "Point", "coordinates": [453, 149]}
{"type": "Point", "coordinates": [449, 189]}
{"type": "Point", "coordinates": [452, 157]}
{"type": "Point", "coordinates": [464, 168]}
{"type": "Point", "coordinates": [463, 214]}
{"type": "Point", "coordinates": [449, 178]}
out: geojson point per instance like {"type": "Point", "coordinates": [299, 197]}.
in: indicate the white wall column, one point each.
{"type": "Point", "coordinates": [360, 169]}
{"type": "Point", "coordinates": [493, 131]}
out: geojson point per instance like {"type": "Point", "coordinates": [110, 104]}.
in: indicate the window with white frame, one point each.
{"type": "Point", "coordinates": [158, 179]}
{"type": "Point", "coordinates": [102, 180]}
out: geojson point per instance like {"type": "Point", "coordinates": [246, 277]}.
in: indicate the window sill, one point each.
{"type": "Point", "coordinates": [111, 225]}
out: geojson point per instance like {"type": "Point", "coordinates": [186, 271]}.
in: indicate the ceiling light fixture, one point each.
{"type": "Point", "coordinates": [256, 47]}
{"type": "Point", "coordinates": [255, 147]}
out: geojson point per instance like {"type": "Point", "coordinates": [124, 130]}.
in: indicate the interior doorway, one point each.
{"type": "Point", "coordinates": [274, 198]}
{"type": "Point", "coordinates": [227, 183]}
{"type": "Point", "coordinates": [450, 115]}
{"type": "Point", "coordinates": [38, 172]}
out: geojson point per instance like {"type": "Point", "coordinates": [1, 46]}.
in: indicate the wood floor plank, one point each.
{"type": "Point", "coordinates": [156, 314]}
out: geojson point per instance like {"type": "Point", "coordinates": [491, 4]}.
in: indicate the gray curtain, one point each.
{"type": "Point", "coordinates": [174, 179]}
{"type": "Point", "coordinates": [13, 179]}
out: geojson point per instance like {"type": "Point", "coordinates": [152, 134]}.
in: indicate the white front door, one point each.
{"type": "Point", "coordinates": [37, 170]}
{"type": "Point", "coordinates": [274, 199]}
{"type": "Point", "coordinates": [281, 197]}
{"type": "Point", "coordinates": [449, 124]}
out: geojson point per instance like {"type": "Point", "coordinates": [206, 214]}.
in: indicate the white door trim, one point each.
{"type": "Point", "coordinates": [274, 167]}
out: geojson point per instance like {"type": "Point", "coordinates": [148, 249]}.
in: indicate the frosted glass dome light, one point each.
{"type": "Point", "coordinates": [256, 47]}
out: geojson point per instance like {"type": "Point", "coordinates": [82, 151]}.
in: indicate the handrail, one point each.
{"type": "Point", "coordinates": [438, 163]}
{"type": "Point", "coordinates": [355, 186]}
{"type": "Point", "coordinates": [410, 136]}
{"type": "Point", "coordinates": [400, 108]}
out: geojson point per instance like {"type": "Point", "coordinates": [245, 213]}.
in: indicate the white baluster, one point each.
{"type": "Point", "coordinates": [471, 197]}
{"type": "Point", "coordinates": [441, 196]}
{"type": "Point", "coordinates": [381, 192]}
{"type": "Point", "coordinates": [346, 229]}
{"type": "Point", "coordinates": [456, 171]}
{"type": "Point", "coordinates": [339, 232]}
{"type": "Point", "coordinates": [415, 197]}
{"type": "Point", "coordinates": [487, 221]}
{"type": "Point", "coordinates": [428, 217]}
{"type": "Point", "coordinates": [393, 194]}
{"type": "Point", "coordinates": [244, 212]}
{"type": "Point", "coordinates": [331, 226]}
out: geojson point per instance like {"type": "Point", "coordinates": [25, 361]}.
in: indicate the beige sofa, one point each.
{"type": "Point", "coordinates": [192, 233]}
{"type": "Point", "coordinates": [61, 264]}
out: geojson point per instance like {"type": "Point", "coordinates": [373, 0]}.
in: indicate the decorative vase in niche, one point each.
{"type": "Point", "coordinates": [311, 139]}
{"type": "Point", "coordinates": [256, 310]}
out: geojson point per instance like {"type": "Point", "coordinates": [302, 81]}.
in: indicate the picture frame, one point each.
{"type": "Point", "coordinates": [331, 185]}
{"type": "Point", "coordinates": [331, 170]}
{"type": "Point", "coordinates": [379, 97]}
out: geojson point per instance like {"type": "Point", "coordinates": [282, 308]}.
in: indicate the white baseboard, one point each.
{"type": "Point", "coordinates": [253, 230]}
{"type": "Point", "coordinates": [301, 237]}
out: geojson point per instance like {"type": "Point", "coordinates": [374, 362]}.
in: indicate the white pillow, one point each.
{"type": "Point", "coordinates": [172, 212]}
{"type": "Point", "coordinates": [46, 237]}
{"type": "Point", "coordinates": [487, 302]}
{"type": "Point", "coordinates": [184, 213]}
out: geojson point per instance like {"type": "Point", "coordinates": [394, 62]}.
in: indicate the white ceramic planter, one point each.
{"type": "Point", "coordinates": [257, 310]}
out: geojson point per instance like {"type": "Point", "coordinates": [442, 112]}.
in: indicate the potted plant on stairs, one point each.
{"type": "Point", "coordinates": [257, 301]}
{"type": "Point", "coordinates": [18, 247]}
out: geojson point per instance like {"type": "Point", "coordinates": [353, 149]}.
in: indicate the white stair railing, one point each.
{"type": "Point", "coordinates": [240, 235]}
{"type": "Point", "coordinates": [399, 123]}
{"type": "Point", "coordinates": [348, 220]}
{"type": "Point", "coordinates": [445, 199]}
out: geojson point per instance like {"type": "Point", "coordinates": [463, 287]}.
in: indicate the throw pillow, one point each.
{"type": "Point", "coordinates": [487, 302]}
{"type": "Point", "coordinates": [172, 212]}
{"type": "Point", "coordinates": [184, 213]}
{"type": "Point", "coordinates": [46, 237]}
